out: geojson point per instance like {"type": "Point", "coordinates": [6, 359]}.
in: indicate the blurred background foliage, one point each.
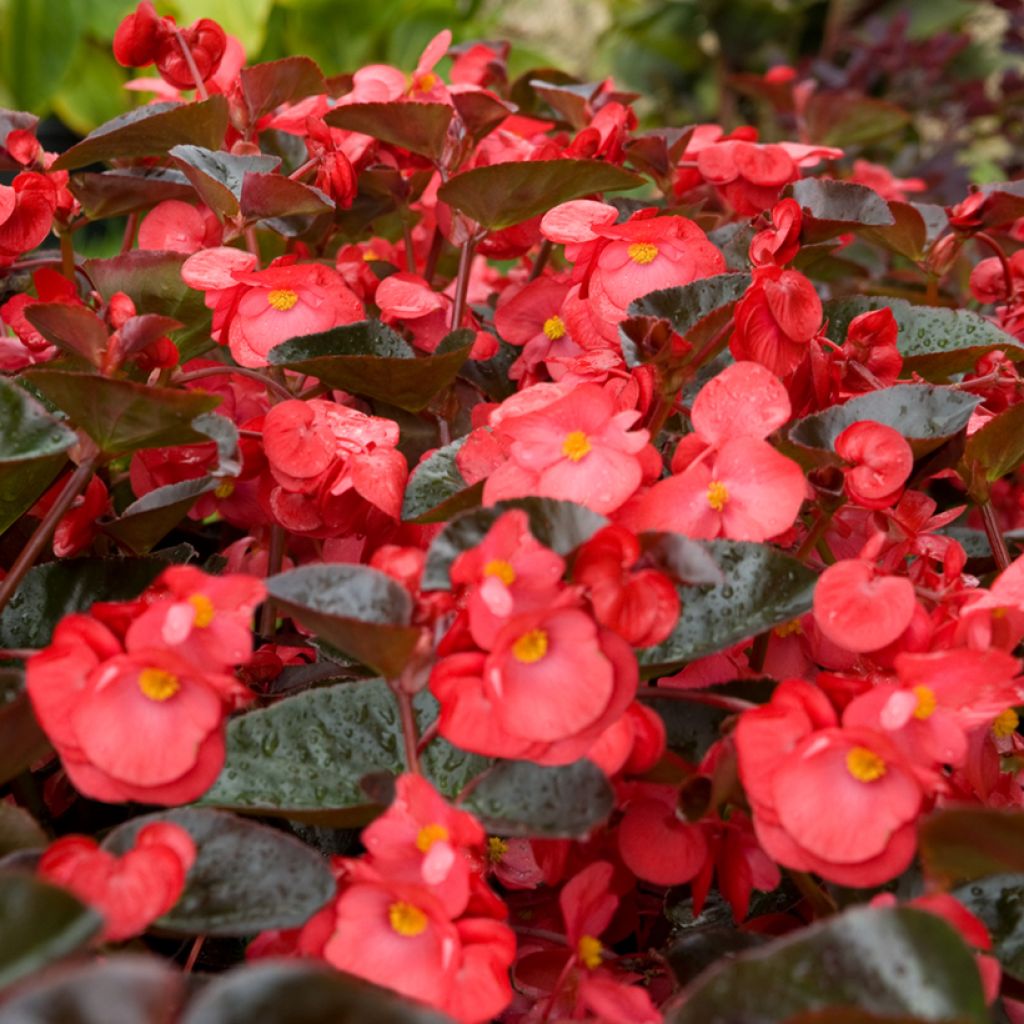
{"type": "Point", "coordinates": [952, 70]}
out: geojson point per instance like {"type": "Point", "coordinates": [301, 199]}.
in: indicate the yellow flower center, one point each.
{"type": "Point", "coordinates": [282, 299]}
{"type": "Point", "coordinates": [502, 569]}
{"type": "Point", "coordinates": [575, 445]}
{"type": "Point", "coordinates": [406, 919]}
{"type": "Point", "coordinates": [999, 613]}
{"type": "Point", "coordinates": [157, 684]}
{"type": "Point", "coordinates": [787, 628]}
{"type": "Point", "coordinates": [370, 255]}
{"type": "Point", "coordinates": [864, 765]}
{"type": "Point", "coordinates": [554, 327]}
{"type": "Point", "coordinates": [642, 252]}
{"type": "Point", "coordinates": [496, 849]}
{"type": "Point", "coordinates": [204, 610]}
{"type": "Point", "coordinates": [530, 647]}
{"type": "Point", "coordinates": [225, 489]}
{"type": "Point", "coordinates": [426, 82]}
{"type": "Point", "coordinates": [590, 951]}
{"type": "Point", "coordinates": [925, 702]}
{"type": "Point", "coordinates": [718, 495]}
{"type": "Point", "coordinates": [430, 834]}
{"type": "Point", "coordinates": [1005, 724]}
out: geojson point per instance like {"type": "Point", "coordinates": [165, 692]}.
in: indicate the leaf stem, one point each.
{"type": "Point", "coordinates": [714, 700]}
{"type": "Point", "coordinates": [215, 371]}
{"type": "Point", "coordinates": [193, 70]}
{"type": "Point", "coordinates": [462, 280]}
{"type": "Point", "coordinates": [67, 256]}
{"type": "Point", "coordinates": [410, 735]}
{"type": "Point", "coordinates": [540, 262]}
{"type": "Point", "coordinates": [77, 483]}
{"type": "Point", "coordinates": [996, 540]}
{"type": "Point", "coordinates": [275, 559]}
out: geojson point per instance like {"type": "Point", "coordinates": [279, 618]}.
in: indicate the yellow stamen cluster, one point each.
{"type": "Point", "coordinates": [864, 765]}
{"type": "Point", "coordinates": [925, 702]}
{"type": "Point", "coordinates": [282, 299]}
{"type": "Point", "coordinates": [718, 495]}
{"type": "Point", "coordinates": [554, 327]}
{"type": "Point", "coordinates": [589, 950]}
{"type": "Point", "coordinates": [225, 489]}
{"type": "Point", "coordinates": [204, 610]}
{"type": "Point", "coordinates": [430, 834]}
{"type": "Point", "coordinates": [530, 647]}
{"type": "Point", "coordinates": [642, 252]}
{"type": "Point", "coordinates": [406, 919]}
{"type": "Point", "coordinates": [157, 684]}
{"type": "Point", "coordinates": [502, 569]}
{"type": "Point", "coordinates": [576, 445]}
{"type": "Point", "coordinates": [496, 848]}
{"type": "Point", "coordinates": [1005, 724]}
{"type": "Point", "coordinates": [788, 629]}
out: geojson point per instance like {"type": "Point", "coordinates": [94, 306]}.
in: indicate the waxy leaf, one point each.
{"type": "Point", "coordinates": [907, 235]}
{"type": "Point", "coordinates": [301, 992]}
{"type": "Point", "coordinates": [481, 112]}
{"type": "Point", "coordinates": [76, 330]}
{"type": "Point", "coordinates": [687, 305]}
{"type": "Point", "coordinates": [960, 844]}
{"type": "Point", "coordinates": [265, 196]}
{"type": "Point", "coordinates": [32, 447]}
{"type": "Point", "coordinates": [761, 588]}
{"type": "Point", "coordinates": [520, 798]}
{"type": "Point", "coordinates": [371, 359]}
{"type": "Point", "coordinates": [218, 176]}
{"type": "Point", "coordinates": [304, 757]}
{"type": "Point", "coordinates": [560, 525]}
{"type": "Point", "coordinates": [51, 591]}
{"type": "Point", "coordinates": [22, 741]}
{"type": "Point", "coordinates": [120, 989]}
{"type": "Point", "coordinates": [998, 447]}
{"type": "Point", "coordinates": [120, 415]}
{"type": "Point", "coordinates": [358, 610]}
{"type": "Point", "coordinates": [126, 190]}
{"type": "Point", "coordinates": [835, 207]}
{"type": "Point", "coordinates": [151, 130]}
{"type": "Point", "coordinates": [925, 415]}
{"type": "Point", "coordinates": [934, 341]}
{"type": "Point", "coordinates": [1005, 202]}
{"type": "Point", "coordinates": [266, 86]}
{"type": "Point", "coordinates": [19, 830]}
{"type": "Point", "coordinates": [999, 902]}
{"type": "Point", "coordinates": [437, 490]}
{"type": "Point", "coordinates": [246, 877]}
{"type": "Point", "coordinates": [892, 962]}
{"type": "Point", "coordinates": [501, 195]}
{"type": "Point", "coordinates": [39, 924]}
{"type": "Point", "coordinates": [418, 127]}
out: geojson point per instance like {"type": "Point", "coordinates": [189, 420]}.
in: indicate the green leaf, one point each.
{"type": "Point", "coordinates": [999, 902]}
{"type": "Point", "coordinates": [959, 844]}
{"type": "Point", "coordinates": [287, 992]}
{"type": "Point", "coordinates": [892, 962]}
{"type": "Point", "coordinates": [51, 591]}
{"type": "Point", "coordinates": [19, 830]}
{"type": "Point", "coordinates": [437, 490]}
{"type": "Point", "coordinates": [924, 414]}
{"type": "Point", "coordinates": [32, 447]}
{"type": "Point", "coordinates": [218, 176]}
{"type": "Point", "coordinates": [22, 742]}
{"type": "Point", "coordinates": [998, 447]}
{"type": "Point", "coordinates": [151, 131]}
{"type": "Point", "coordinates": [370, 359]}
{"type": "Point", "coordinates": [835, 207]}
{"type": "Point", "coordinates": [687, 305]}
{"type": "Point", "coordinates": [560, 525]}
{"type": "Point", "coordinates": [418, 127]}
{"type": "Point", "coordinates": [144, 989]}
{"type": "Point", "coordinates": [120, 415]}
{"type": "Point", "coordinates": [501, 195]}
{"type": "Point", "coordinates": [907, 235]}
{"type": "Point", "coordinates": [266, 86]}
{"type": "Point", "coordinates": [115, 193]}
{"type": "Point", "coordinates": [246, 877]}
{"type": "Point", "coordinates": [145, 522]}
{"type": "Point", "coordinates": [934, 341]}
{"type": "Point", "coordinates": [39, 924]}
{"type": "Point", "coordinates": [358, 610]}
{"type": "Point", "coordinates": [304, 757]}
{"type": "Point", "coordinates": [762, 588]}
{"type": "Point", "coordinates": [38, 43]}
{"type": "Point", "coordinates": [520, 798]}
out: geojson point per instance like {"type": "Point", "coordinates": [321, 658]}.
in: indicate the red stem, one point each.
{"type": "Point", "coordinates": [218, 371]}
{"type": "Point", "coordinates": [462, 281]}
{"type": "Point", "coordinates": [996, 540]}
{"type": "Point", "coordinates": [714, 700]}
{"type": "Point", "coordinates": [193, 70]}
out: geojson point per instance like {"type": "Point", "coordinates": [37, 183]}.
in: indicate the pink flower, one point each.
{"type": "Point", "coordinates": [880, 463]}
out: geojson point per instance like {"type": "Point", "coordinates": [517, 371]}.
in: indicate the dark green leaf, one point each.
{"type": "Point", "coordinates": [762, 588]}
{"type": "Point", "coordinates": [369, 358]}
{"type": "Point", "coordinates": [145, 522]}
{"type": "Point", "coordinates": [218, 176]}
{"type": "Point", "coordinates": [38, 44]}
{"type": "Point", "coordinates": [51, 591]}
{"type": "Point", "coordinates": [501, 195]}
{"type": "Point", "coordinates": [123, 989]}
{"type": "Point", "coordinates": [22, 742]}
{"type": "Point", "coordinates": [835, 207]}
{"type": "Point", "coordinates": [925, 415]}
{"type": "Point", "coordinates": [999, 902]}
{"type": "Point", "coordinates": [892, 962]}
{"type": "Point", "coordinates": [266, 86]}
{"type": "Point", "coordinates": [520, 798]}
{"type": "Point", "coordinates": [151, 130]}
{"type": "Point", "coordinates": [297, 992]}
{"type": "Point", "coordinates": [358, 610]}
{"type": "Point", "coordinates": [437, 490]}
{"type": "Point", "coordinates": [960, 844]}
{"type": "Point", "coordinates": [560, 525]}
{"type": "Point", "coordinates": [126, 190]}
{"type": "Point", "coordinates": [19, 830]}
{"type": "Point", "coordinates": [39, 924]}
{"type": "Point", "coordinates": [418, 127]}
{"type": "Point", "coordinates": [32, 447]}
{"type": "Point", "coordinates": [998, 447]}
{"type": "Point", "coordinates": [908, 234]}
{"type": "Point", "coordinates": [246, 877]}
{"type": "Point", "coordinates": [481, 112]}
{"type": "Point", "coordinates": [265, 196]}
{"type": "Point", "coordinates": [75, 329]}
{"type": "Point", "coordinates": [934, 341]}
{"type": "Point", "coordinates": [686, 305]}
{"type": "Point", "coordinates": [120, 415]}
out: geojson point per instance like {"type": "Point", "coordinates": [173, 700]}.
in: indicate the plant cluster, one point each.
{"type": "Point", "coordinates": [429, 569]}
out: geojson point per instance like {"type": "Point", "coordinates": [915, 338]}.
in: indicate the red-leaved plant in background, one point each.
{"type": "Point", "coordinates": [566, 575]}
